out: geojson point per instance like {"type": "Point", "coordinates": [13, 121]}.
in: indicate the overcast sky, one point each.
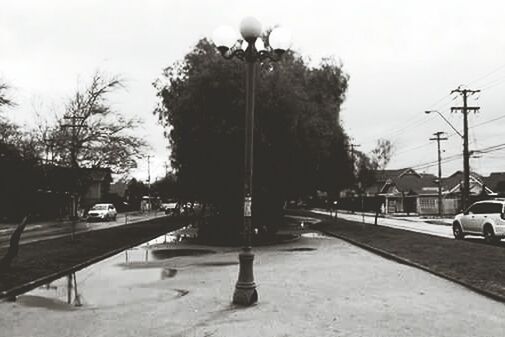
{"type": "Point", "coordinates": [403, 57]}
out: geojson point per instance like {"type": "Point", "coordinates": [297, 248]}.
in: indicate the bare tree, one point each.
{"type": "Point", "coordinates": [381, 156]}
{"type": "Point", "coordinates": [91, 133]}
{"type": "Point", "coordinates": [382, 153]}
{"type": "Point", "coordinates": [4, 99]}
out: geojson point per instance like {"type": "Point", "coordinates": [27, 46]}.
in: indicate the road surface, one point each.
{"type": "Point", "coordinates": [50, 230]}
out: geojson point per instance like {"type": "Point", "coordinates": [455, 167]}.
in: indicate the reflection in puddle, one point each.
{"type": "Point", "coordinates": [314, 235]}
{"type": "Point", "coordinates": [300, 249]}
{"type": "Point", "coordinates": [110, 282]}
{"type": "Point", "coordinates": [168, 273]}
{"type": "Point", "coordinates": [181, 292]}
{"type": "Point", "coordinates": [163, 254]}
{"type": "Point", "coordinates": [44, 302]}
{"type": "Point", "coordinates": [217, 264]}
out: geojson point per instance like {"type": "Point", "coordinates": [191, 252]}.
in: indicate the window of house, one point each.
{"type": "Point", "coordinates": [427, 203]}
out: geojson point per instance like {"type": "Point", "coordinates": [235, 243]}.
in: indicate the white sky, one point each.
{"type": "Point", "coordinates": [402, 56]}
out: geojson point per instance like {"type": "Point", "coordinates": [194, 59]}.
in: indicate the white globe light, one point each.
{"type": "Point", "coordinates": [250, 28]}
{"type": "Point", "coordinates": [280, 38]}
{"type": "Point", "coordinates": [259, 45]}
{"type": "Point", "coordinates": [224, 36]}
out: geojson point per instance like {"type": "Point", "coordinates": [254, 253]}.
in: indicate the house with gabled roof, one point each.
{"type": "Point", "coordinates": [407, 191]}
{"type": "Point", "coordinates": [402, 192]}
{"type": "Point", "coordinates": [496, 182]}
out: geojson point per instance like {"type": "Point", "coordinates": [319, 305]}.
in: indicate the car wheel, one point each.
{"type": "Point", "coordinates": [114, 217]}
{"type": "Point", "coordinates": [458, 232]}
{"type": "Point", "coordinates": [489, 235]}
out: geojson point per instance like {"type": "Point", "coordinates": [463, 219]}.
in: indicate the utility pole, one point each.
{"type": "Point", "coordinates": [438, 138]}
{"type": "Point", "coordinates": [76, 123]}
{"type": "Point", "coordinates": [465, 195]}
{"type": "Point", "coordinates": [351, 147]}
{"type": "Point", "coordinates": [149, 181]}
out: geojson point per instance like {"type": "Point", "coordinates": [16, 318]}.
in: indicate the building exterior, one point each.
{"type": "Point", "coordinates": [411, 192]}
{"type": "Point", "coordinates": [405, 191]}
{"type": "Point", "coordinates": [96, 185]}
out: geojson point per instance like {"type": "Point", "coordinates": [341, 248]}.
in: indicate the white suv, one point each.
{"type": "Point", "coordinates": [484, 218]}
{"type": "Point", "coordinates": [102, 212]}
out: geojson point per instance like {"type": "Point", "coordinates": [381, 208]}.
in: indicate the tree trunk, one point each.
{"type": "Point", "coordinates": [12, 252]}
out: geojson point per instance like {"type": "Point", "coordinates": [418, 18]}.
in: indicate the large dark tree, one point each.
{"type": "Point", "coordinates": [299, 144]}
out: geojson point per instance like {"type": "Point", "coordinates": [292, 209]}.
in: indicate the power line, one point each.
{"type": "Point", "coordinates": [487, 75]}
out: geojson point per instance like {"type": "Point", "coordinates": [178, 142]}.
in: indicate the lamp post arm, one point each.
{"type": "Point", "coordinates": [272, 55]}
{"type": "Point", "coordinates": [452, 126]}
{"type": "Point", "coordinates": [445, 120]}
{"type": "Point", "coordinates": [229, 54]}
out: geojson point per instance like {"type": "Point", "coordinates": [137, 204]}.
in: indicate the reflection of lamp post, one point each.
{"type": "Point", "coordinates": [255, 51]}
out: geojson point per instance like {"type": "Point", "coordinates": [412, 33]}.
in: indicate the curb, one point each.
{"type": "Point", "coordinates": [397, 258]}
{"type": "Point", "coordinates": [18, 290]}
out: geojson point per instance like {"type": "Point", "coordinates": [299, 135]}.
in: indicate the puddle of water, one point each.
{"type": "Point", "coordinates": [183, 234]}
{"type": "Point", "coordinates": [168, 273]}
{"type": "Point", "coordinates": [163, 254]}
{"type": "Point", "coordinates": [300, 249]}
{"type": "Point", "coordinates": [126, 277]}
{"type": "Point", "coordinates": [217, 264]}
{"type": "Point", "coordinates": [315, 235]}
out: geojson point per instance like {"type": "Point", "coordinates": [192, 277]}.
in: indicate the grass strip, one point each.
{"type": "Point", "coordinates": [470, 262]}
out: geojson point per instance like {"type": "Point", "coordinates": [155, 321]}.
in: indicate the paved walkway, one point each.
{"type": "Point", "coordinates": [335, 289]}
{"type": "Point", "coordinates": [415, 224]}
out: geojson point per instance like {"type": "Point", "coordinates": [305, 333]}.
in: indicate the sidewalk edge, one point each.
{"type": "Point", "coordinates": [397, 258]}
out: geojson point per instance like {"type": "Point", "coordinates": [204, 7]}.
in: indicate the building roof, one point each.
{"type": "Point", "coordinates": [408, 181]}
{"type": "Point", "coordinates": [496, 182]}
{"type": "Point", "coordinates": [453, 183]}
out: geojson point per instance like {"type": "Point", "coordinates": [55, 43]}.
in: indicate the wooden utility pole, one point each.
{"type": "Point", "coordinates": [465, 195]}
{"type": "Point", "coordinates": [438, 138]}
{"type": "Point", "coordinates": [351, 147]}
{"type": "Point", "coordinates": [149, 181]}
{"type": "Point", "coordinates": [76, 123]}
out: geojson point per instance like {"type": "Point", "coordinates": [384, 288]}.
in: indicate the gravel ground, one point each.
{"type": "Point", "coordinates": [334, 290]}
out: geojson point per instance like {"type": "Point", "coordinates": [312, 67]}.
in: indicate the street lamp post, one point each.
{"type": "Point", "coordinates": [466, 157]}
{"type": "Point", "coordinates": [254, 52]}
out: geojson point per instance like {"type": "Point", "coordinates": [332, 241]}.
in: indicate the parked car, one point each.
{"type": "Point", "coordinates": [483, 218]}
{"type": "Point", "coordinates": [171, 208]}
{"type": "Point", "coordinates": [102, 212]}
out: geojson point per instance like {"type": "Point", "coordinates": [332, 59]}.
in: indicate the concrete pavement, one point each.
{"type": "Point", "coordinates": [415, 224]}
{"type": "Point", "coordinates": [317, 286]}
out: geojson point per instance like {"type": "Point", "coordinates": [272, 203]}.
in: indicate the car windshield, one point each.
{"type": "Point", "coordinates": [99, 207]}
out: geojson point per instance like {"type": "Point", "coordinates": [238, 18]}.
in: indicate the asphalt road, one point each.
{"type": "Point", "coordinates": [414, 224]}
{"type": "Point", "coordinates": [50, 230]}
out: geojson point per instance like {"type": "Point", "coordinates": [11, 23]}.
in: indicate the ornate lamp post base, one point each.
{"type": "Point", "coordinates": [245, 290]}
